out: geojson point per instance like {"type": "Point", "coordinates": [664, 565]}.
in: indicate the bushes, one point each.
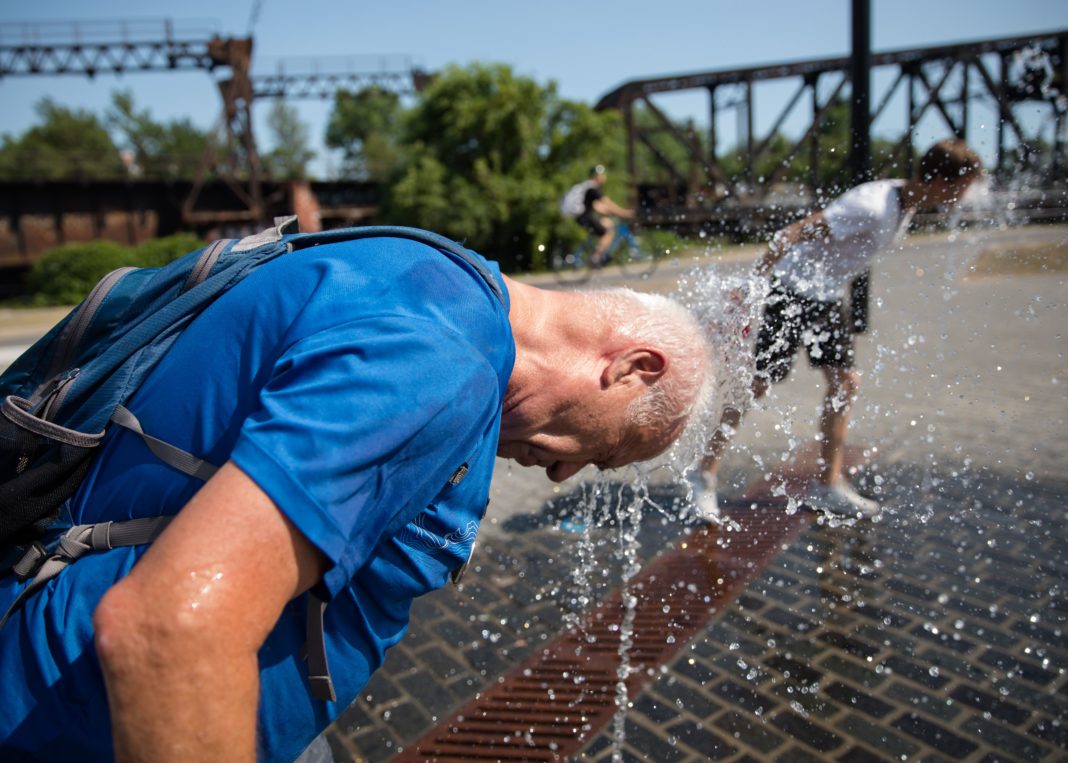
{"type": "Point", "coordinates": [64, 275]}
{"type": "Point", "coordinates": [159, 251]}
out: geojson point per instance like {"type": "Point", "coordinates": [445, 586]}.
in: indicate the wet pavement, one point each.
{"type": "Point", "coordinates": [932, 637]}
{"type": "Point", "coordinates": [934, 633]}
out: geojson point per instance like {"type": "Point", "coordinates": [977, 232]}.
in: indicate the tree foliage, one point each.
{"type": "Point", "coordinates": [66, 144]}
{"type": "Point", "coordinates": [365, 127]}
{"type": "Point", "coordinates": [157, 252]}
{"type": "Point", "coordinates": [69, 144]}
{"type": "Point", "coordinates": [160, 150]}
{"type": "Point", "coordinates": [482, 155]}
{"type": "Point", "coordinates": [289, 157]}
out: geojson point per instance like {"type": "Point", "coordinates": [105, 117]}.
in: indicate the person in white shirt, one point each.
{"type": "Point", "coordinates": [811, 264]}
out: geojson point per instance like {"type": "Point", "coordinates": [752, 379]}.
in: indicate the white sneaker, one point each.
{"type": "Point", "coordinates": [705, 502]}
{"type": "Point", "coordinates": [840, 498]}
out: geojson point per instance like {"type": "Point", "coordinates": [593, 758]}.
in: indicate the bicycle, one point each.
{"type": "Point", "coordinates": [574, 266]}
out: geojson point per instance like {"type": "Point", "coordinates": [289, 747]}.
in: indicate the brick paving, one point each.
{"type": "Point", "coordinates": [924, 636]}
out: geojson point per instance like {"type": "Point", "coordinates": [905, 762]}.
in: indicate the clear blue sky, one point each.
{"type": "Point", "coordinates": [586, 48]}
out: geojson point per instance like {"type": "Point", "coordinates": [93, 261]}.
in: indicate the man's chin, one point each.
{"type": "Point", "coordinates": [559, 471]}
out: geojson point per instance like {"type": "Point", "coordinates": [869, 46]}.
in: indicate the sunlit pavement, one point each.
{"type": "Point", "coordinates": [934, 633]}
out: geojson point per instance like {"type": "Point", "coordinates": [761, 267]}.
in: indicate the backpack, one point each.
{"type": "Point", "coordinates": [573, 202]}
{"type": "Point", "coordinates": [60, 396]}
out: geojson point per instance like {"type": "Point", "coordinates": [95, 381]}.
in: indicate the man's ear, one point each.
{"type": "Point", "coordinates": [638, 365]}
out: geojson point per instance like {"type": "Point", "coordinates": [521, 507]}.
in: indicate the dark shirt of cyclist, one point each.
{"type": "Point", "coordinates": [597, 212]}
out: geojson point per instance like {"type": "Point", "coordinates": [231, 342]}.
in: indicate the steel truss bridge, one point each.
{"type": "Point", "coordinates": [943, 86]}
{"type": "Point", "coordinates": [226, 193]}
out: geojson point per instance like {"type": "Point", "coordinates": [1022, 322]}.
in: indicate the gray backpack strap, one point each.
{"type": "Point", "coordinates": [322, 686]}
{"type": "Point", "coordinates": [83, 539]}
{"type": "Point", "coordinates": [205, 263]}
{"type": "Point", "coordinates": [164, 451]}
{"type": "Point", "coordinates": [74, 332]}
{"type": "Point", "coordinates": [76, 543]}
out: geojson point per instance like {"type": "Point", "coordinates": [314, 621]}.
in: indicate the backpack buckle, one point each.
{"type": "Point", "coordinates": [30, 561]}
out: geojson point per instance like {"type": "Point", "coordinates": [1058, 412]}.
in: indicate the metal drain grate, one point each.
{"type": "Point", "coordinates": [549, 707]}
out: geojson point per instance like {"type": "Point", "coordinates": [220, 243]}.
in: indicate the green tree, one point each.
{"type": "Point", "coordinates": [365, 127]}
{"type": "Point", "coordinates": [289, 157]}
{"type": "Point", "coordinates": [481, 155]}
{"type": "Point", "coordinates": [161, 150]}
{"type": "Point", "coordinates": [66, 144]}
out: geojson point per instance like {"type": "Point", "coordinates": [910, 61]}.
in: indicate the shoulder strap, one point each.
{"type": "Point", "coordinates": [285, 228]}
{"type": "Point", "coordinates": [74, 331]}
{"type": "Point", "coordinates": [76, 543]}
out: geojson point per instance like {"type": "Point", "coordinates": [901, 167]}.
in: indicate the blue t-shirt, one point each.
{"type": "Point", "coordinates": [350, 381]}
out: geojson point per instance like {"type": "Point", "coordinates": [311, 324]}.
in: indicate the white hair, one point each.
{"type": "Point", "coordinates": [665, 324]}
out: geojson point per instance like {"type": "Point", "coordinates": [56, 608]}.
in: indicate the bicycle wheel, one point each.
{"type": "Point", "coordinates": [634, 258]}
{"type": "Point", "coordinates": [570, 266]}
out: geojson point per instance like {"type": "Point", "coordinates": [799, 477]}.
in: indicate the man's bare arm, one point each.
{"type": "Point", "coordinates": [178, 637]}
{"type": "Point", "coordinates": [605, 206]}
{"type": "Point", "coordinates": [811, 228]}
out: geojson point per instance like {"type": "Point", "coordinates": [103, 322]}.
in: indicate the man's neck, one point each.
{"type": "Point", "coordinates": [553, 331]}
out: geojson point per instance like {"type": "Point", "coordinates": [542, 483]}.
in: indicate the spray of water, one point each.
{"type": "Point", "coordinates": [627, 550]}
{"type": "Point", "coordinates": [727, 305]}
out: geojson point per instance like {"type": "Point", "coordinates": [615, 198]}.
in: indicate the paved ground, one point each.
{"type": "Point", "coordinates": [935, 633]}
{"type": "Point", "coordinates": [904, 639]}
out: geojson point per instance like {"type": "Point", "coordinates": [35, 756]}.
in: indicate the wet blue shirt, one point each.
{"type": "Point", "coordinates": [350, 382]}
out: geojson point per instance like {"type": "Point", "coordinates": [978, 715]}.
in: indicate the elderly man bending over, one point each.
{"type": "Point", "coordinates": [357, 394]}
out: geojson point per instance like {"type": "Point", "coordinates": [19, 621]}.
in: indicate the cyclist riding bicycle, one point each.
{"type": "Point", "coordinates": [587, 204]}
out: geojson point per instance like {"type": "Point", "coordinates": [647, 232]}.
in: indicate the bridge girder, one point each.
{"type": "Point", "coordinates": [938, 80]}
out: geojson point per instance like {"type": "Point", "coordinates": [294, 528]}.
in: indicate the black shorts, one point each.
{"type": "Point", "coordinates": [592, 223]}
{"type": "Point", "coordinates": [791, 320]}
